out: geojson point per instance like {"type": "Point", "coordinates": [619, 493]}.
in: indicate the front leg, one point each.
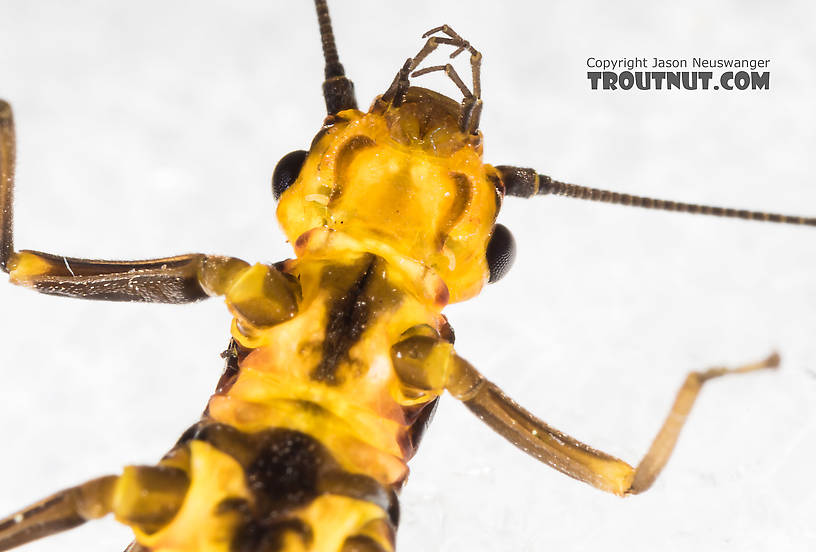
{"type": "Point", "coordinates": [179, 279]}
{"type": "Point", "coordinates": [7, 156]}
{"type": "Point", "coordinates": [427, 363]}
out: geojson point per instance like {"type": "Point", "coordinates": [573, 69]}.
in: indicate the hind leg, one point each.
{"type": "Point", "coordinates": [428, 363]}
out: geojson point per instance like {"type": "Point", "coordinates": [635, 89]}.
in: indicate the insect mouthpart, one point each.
{"type": "Point", "coordinates": [428, 121]}
{"type": "Point", "coordinates": [471, 107]}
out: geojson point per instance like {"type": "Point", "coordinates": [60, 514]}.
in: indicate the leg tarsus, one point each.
{"type": "Point", "coordinates": [664, 442]}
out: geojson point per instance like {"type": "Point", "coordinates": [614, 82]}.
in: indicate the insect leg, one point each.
{"type": "Point", "coordinates": [571, 456]}
{"type": "Point", "coordinates": [179, 279]}
{"type": "Point", "coordinates": [426, 363]}
{"type": "Point", "coordinates": [663, 444]}
{"type": "Point", "coordinates": [145, 497]}
{"type": "Point", "coordinates": [65, 510]}
{"type": "Point", "coordinates": [7, 158]}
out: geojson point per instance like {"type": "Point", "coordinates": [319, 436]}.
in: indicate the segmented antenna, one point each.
{"type": "Point", "coordinates": [338, 90]}
{"type": "Point", "coordinates": [527, 183]}
{"type": "Point", "coordinates": [554, 187]}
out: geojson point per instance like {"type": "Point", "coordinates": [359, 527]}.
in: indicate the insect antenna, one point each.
{"type": "Point", "coordinates": [526, 183]}
{"type": "Point", "coordinates": [338, 90]}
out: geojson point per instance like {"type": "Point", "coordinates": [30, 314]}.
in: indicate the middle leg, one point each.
{"type": "Point", "coordinates": [425, 362]}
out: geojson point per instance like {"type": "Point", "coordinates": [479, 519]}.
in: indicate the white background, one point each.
{"type": "Point", "coordinates": [152, 128]}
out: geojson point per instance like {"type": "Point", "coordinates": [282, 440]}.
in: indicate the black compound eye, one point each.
{"type": "Point", "coordinates": [501, 252]}
{"type": "Point", "coordinates": [287, 171]}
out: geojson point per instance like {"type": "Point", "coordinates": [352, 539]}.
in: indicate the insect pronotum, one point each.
{"type": "Point", "coordinates": [129, 128]}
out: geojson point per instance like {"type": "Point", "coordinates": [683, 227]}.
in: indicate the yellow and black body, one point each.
{"type": "Point", "coordinates": [337, 356]}
{"type": "Point", "coordinates": [306, 440]}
